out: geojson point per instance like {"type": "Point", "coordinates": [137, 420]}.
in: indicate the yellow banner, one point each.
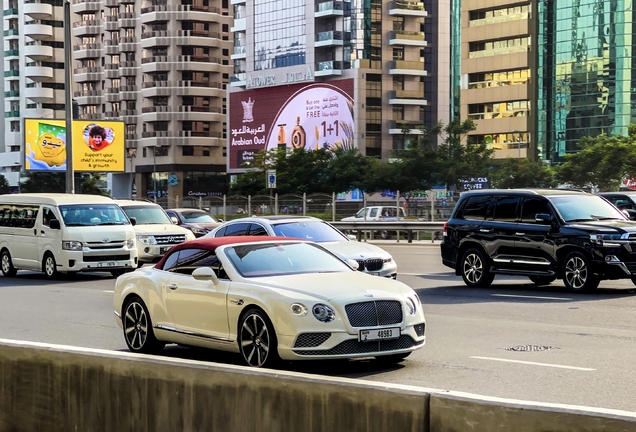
{"type": "Point", "coordinates": [98, 146]}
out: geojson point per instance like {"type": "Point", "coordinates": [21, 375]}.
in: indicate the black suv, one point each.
{"type": "Point", "coordinates": [543, 234]}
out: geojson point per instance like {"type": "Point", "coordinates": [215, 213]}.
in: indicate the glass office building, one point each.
{"type": "Point", "coordinates": [585, 72]}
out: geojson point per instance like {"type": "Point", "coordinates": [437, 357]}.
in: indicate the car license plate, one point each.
{"type": "Point", "coordinates": [374, 273]}
{"type": "Point", "coordinates": [379, 334]}
{"type": "Point", "coordinates": [107, 264]}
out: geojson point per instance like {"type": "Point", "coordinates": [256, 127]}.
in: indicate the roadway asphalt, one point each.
{"type": "Point", "coordinates": [510, 340]}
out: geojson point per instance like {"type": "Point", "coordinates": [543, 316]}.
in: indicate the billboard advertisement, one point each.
{"type": "Point", "coordinates": [98, 146]}
{"type": "Point", "coordinates": [308, 116]}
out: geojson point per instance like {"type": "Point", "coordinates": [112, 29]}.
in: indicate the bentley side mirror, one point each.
{"type": "Point", "coordinates": [205, 274]}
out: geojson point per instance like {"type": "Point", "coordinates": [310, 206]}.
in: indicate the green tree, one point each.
{"type": "Point", "coordinates": [348, 169]}
{"type": "Point", "coordinates": [521, 173]}
{"type": "Point", "coordinates": [603, 162]}
{"type": "Point", "coordinates": [4, 185]}
{"type": "Point", "coordinates": [44, 182]}
{"type": "Point", "coordinates": [90, 185]}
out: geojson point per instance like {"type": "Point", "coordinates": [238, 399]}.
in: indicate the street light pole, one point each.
{"type": "Point", "coordinates": [154, 171]}
{"type": "Point", "coordinates": [68, 96]}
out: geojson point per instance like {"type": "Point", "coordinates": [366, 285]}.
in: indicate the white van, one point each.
{"type": "Point", "coordinates": [65, 233]}
{"type": "Point", "coordinates": [156, 233]}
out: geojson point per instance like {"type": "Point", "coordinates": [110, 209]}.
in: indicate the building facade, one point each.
{"type": "Point", "coordinates": [33, 74]}
{"type": "Point", "coordinates": [162, 67]}
{"type": "Point", "coordinates": [367, 69]}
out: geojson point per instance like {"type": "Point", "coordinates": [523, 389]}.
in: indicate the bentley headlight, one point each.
{"type": "Point", "coordinates": [411, 305]}
{"type": "Point", "coordinates": [146, 239]}
{"type": "Point", "coordinates": [72, 245]}
{"type": "Point", "coordinates": [323, 313]}
{"type": "Point", "coordinates": [130, 243]}
{"type": "Point", "coordinates": [299, 309]}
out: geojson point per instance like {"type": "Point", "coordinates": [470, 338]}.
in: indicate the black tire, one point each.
{"type": "Point", "coordinates": [576, 273]}
{"type": "Point", "coordinates": [257, 340]}
{"type": "Point", "coordinates": [49, 266]}
{"type": "Point", "coordinates": [542, 280]}
{"type": "Point", "coordinates": [474, 269]}
{"type": "Point", "coordinates": [7, 265]}
{"type": "Point", "coordinates": [392, 358]}
{"type": "Point", "coordinates": [137, 326]}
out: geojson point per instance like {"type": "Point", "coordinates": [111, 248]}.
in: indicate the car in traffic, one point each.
{"type": "Point", "coordinates": [543, 234]}
{"type": "Point", "coordinates": [268, 299]}
{"type": "Point", "coordinates": [371, 259]}
{"type": "Point", "coordinates": [624, 201]}
{"type": "Point", "coordinates": [377, 214]}
{"type": "Point", "coordinates": [154, 230]}
{"type": "Point", "coordinates": [198, 221]}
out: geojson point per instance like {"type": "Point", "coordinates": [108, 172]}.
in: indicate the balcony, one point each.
{"type": "Point", "coordinates": [38, 73]}
{"type": "Point", "coordinates": [87, 27]}
{"type": "Point", "coordinates": [128, 44]}
{"type": "Point", "coordinates": [11, 33]}
{"type": "Point", "coordinates": [156, 38]}
{"type": "Point", "coordinates": [38, 31]}
{"type": "Point", "coordinates": [11, 114]}
{"type": "Point", "coordinates": [87, 74]}
{"type": "Point", "coordinates": [198, 38]}
{"type": "Point", "coordinates": [81, 6]}
{"type": "Point", "coordinates": [38, 52]}
{"type": "Point", "coordinates": [12, 94]}
{"type": "Point", "coordinates": [87, 51]}
{"type": "Point", "coordinates": [415, 127]}
{"type": "Point", "coordinates": [328, 68]}
{"type": "Point", "coordinates": [239, 25]}
{"type": "Point", "coordinates": [407, 8]}
{"type": "Point", "coordinates": [407, 38]}
{"type": "Point", "coordinates": [128, 68]}
{"type": "Point", "coordinates": [236, 2]}
{"type": "Point", "coordinates": [38, 10]}
{"type": "Point", "coordinates": [128, 92]}
{"type": "Point", "coordinates": [11, 73]}
{"type": "Point", "coordinates": [401, 67]}
{"type": "Point", "coordinates": [127, 20]}
{"type": "Point", "coordinates": [201, 63]}
{"type": "Point", "coordinates": [39, 94]}
{"type": "Point", "coordinates": [156, 64]}
{"type": "Point", "coordinates": [329, 38]}
{"type": "Point", "coordinates": [329, 9]}
{"type": "Point", "coordinates": [11, 53]}
{"type": "Point", "coordinates": [408, 97]}
{"type": "Point", "coordinates": [238, 80]}
{"type": "Point", "coordinates": [201, 88]}
{"type": "Point", "coordinates": [10, 12]}
{"type": "Point", "coordinates": [240, 52]}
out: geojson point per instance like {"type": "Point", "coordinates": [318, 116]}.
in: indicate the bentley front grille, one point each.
{"type": "Point", "coordinates": [374, 313]}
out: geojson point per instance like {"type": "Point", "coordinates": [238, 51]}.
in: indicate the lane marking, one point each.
{"type": "Point", "coordinates": [534, 363]}
{"type": "Point", "coordinates": [108, 291]}
{"type": "Point", "coordinates": [531, 297]}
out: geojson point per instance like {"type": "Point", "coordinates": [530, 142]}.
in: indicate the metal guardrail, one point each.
{"type": "Point", "coordinates": [410, 227]}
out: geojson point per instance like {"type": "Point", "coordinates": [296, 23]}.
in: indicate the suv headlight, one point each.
{"type": "Point", "coordinates": [199, 231]}
{"type": "Point", "coordinates": [600, 238]}
{"type": "Point", "coordinates": [190, 235]}
{"type": "Point", "coordinates": [72, 245]}
{"type": "Point", "coordinates": [323, 313]}
{"type": "Point", "coordinates": [130, 243]}
{"type": "Point", "coordinates": [146, 239]}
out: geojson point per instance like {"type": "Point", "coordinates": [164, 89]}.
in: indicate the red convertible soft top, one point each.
{"type": "Point", "coordinates": [212, 243]}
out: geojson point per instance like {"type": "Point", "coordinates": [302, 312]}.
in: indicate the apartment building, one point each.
{"type": "Point", "coordinates": [162, 67]}
{"type": "Point", "coordinates": [497, 91]}
{"type": "Point", "coordinates": [33, 58]}
{"type": "Point", "coordinates": [317, 73]}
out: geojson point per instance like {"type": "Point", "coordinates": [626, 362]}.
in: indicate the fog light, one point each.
{"type": "Point", "coordinates": [147, 250]}
{"type": "Point", "coordinates": [612, 258]}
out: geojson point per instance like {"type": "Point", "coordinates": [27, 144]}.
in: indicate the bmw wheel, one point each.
{"type": "Point", "coordinates": [7, 265]}
{"type": "Point", "coordinates": [542, 280]}
{"type": "Point", "coordinates": [49, 266]}
{"type": "Point", "coordinates": [576, 273]}
{"type": "Point", "coordinates": [474, 269]}
{"type": "Point", "coordinates": [257, 340]}
{"type": "Point", "coordinates": [137, 325]}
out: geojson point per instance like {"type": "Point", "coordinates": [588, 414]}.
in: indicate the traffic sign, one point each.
{"type": "Point", "coordinates": [271, 179]}
{"type": "Point", "coordinates": [443, 203]}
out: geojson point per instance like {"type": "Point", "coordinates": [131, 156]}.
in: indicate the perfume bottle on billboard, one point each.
{"type": "Point", "coordinates": [298, 136]}
{"type": "Point", "coordinates": [282, 137]}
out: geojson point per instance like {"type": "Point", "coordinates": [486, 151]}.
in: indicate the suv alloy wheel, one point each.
{"type": "Point", "coordinates": [475, 270]}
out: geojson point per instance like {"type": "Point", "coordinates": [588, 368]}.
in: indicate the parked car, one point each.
{"type": "Point", "coordinates": [624, 201]}
{"type": "Point", "coordinates": [154, 230]}
{"type": "Point", "coordinates": [268, 299]}
{"type": "Point", "coordinates": [198, 221]}
{"type": "Point", "coordinates": [378, 214]}
{"type": "Point", "coordinates": [371, 259]}
{"type": "Point", "coordinates": [543, 234]}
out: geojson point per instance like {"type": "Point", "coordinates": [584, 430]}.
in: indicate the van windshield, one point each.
{"type": "Point", "coordinates": [93, 214]}
{"type": "Point", "coordinates": [148, 215]}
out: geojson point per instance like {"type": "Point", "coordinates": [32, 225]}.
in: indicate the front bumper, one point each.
{"type": "Point", "coordinates": [614, 262]}
{"type": "Point", "coordinates": [343, 345]}
{"type": "Point", "coordinates": [152, 253]}
{"type": "Point", "coordinates": [97, 260]}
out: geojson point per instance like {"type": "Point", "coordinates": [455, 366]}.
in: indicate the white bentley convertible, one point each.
{"type": "Point", "coordinates": [268, 299]}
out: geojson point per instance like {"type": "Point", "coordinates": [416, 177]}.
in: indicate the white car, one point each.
{"type": "Point", "coordinates": [371, 259]}
{"type": "Point", "coordinates": [268, 299]}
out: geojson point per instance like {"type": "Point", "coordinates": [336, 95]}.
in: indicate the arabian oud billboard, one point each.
{"type": "Point", "coordinates": [98, 146]}
{"type": "Point", "coordinates": [308, 116]}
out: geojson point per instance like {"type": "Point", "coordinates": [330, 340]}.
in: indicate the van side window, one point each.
{"type": "Point", "coordinates": [22, 216]}
{"type": "Point", "coordinates": [47, 216]}
{"type": "Point", "coordinates": [5, 215]}
{"type": "Point", "coordinates": [476, 208]}
{"type": "Point", "coordinates": [373, 213]}
{"type": "Point", "coordinates": [533, 206]}
{"type": "Point", "coordinates": [506, 209]}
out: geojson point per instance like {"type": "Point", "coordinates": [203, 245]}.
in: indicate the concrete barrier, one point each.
{"type": "Point", "coordinates": [51, 388]}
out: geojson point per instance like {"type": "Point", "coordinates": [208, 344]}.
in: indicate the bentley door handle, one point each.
{"type": "Point", "coordinates": [520, 234]}
{"type": "Point", "coordinates": [173, 286]}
